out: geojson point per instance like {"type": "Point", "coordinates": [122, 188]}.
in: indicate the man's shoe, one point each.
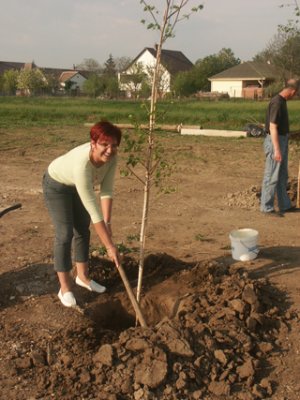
{"type": "Point", "coordinates": [292, 209]}
{"type": "Point", "coordinates": [92, 286]}
{"type": "Point", "coordinates": [273, 213]}
{"type": "Point", "coordinates": [67, 299]}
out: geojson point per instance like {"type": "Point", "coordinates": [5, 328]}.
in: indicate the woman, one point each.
{"type": "Point", "coordinates": [68, 187]}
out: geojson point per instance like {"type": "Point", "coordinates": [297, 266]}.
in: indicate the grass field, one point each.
{"type": "Point", "coordinates": [43, 111]}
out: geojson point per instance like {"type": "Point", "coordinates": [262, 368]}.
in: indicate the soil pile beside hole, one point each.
{"type": "Point", "coordinates": [224, 331]}
{"type": "Point", "coordinates": [216, 336]}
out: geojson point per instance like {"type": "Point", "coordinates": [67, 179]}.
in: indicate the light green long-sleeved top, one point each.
{"type": "Point", "coordinates": [75, 169]}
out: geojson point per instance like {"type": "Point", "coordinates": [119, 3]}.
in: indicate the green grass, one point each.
{"type": "Point", "coordinates": [50, 111]}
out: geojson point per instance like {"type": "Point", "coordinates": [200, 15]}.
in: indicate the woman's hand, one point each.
{"type": "Point", "coordinates": [114, 255]}
{"type": "Point", "coordinates": [104, 234]}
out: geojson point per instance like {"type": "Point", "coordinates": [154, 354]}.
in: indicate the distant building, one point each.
{"type": "Point", "coordinates": [6, 66]}
{"type": "Point", "coordinates": [141, 68]}
{"type": "Point", "coordinates": [64, 78]}
{"type": "Point", "coordinates": [73, 80]}
{"type": "Point", "coordinates": [245, 80]}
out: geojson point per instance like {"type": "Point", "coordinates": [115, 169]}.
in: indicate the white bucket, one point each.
{"type": "Point", "coordinates": [244, 244]}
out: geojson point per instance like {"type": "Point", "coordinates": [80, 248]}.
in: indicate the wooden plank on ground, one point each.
{"type": "Point", "coordinates": [213, 132]}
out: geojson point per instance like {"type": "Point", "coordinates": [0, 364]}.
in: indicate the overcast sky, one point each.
{"type": "Point", "coordinates": [60, 33]}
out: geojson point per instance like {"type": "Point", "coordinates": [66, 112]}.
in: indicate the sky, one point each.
{"type": "Point", "coordinates": [63, 33]}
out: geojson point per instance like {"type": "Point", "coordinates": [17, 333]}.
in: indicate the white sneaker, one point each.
{"type": "Point", "coordinates": [92, 286]}
{"type": "Point", "coordinates": [67, 299]}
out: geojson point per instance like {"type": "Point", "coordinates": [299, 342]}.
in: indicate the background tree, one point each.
{"type": "Point", "coordinates": [213, 64]}
{"type": "Point", "coordinates": [184, 83]}
{"type": "Point", "coordinates": [111, 86]}
{"type": "Point", "coordinates": [110, 78]}
{"type": "Point", "coordinates": [134, 80]}
{"type": "Point", "coordinates": [283, 51]}
{"type": "Point", "coordinates": [110, 67]}
{"type": "Point", "coordinates": [1, 83]}
{"type": "Point", "coordinates": [190, 82]}
{"type": "Point", "coordinates": [31, 81]}
{"type": "Point", "coordinates": [90, 64]}
{"type": "Point", "coordinates": [53, 85]}
{"type": "Point", "coordinates": [94, 85]}
{"type": "Point", "coordinates": [145, 91]}
{"type": "Point", "coordinates": [69, 88]}
{"type": "Point", "coordinates": [122, 63]}
{"type": "Point", "coordinates": [161, 76]}
{"type": "Point", "coordinates": [10, 81]}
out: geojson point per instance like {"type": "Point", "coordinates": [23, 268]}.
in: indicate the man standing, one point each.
{"type": "Point", "coordinates": [276, 149]}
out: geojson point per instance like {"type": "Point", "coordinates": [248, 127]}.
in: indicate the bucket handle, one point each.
{"type": "Point", "coordinates": [254, 250]}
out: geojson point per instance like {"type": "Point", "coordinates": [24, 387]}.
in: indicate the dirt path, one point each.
{"type": "Point", "coordinates": [218, 328]}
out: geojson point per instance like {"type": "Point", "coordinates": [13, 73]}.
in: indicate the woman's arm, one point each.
{"type": "Point", "coordinates": [106, 205]}
{"type": "Point", "coordinates": [105, 238]}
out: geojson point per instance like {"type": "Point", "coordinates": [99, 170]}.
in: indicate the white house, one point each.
{"type": "Point", "coordinates": [246, 80]}
{"type": "Point", "coordinates": [142, 67]}
{"type": "Point", "coordinates": [72, 79]}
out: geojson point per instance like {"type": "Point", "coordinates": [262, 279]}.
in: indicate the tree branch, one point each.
{"type": "Point", "coordinates": [133, 173]}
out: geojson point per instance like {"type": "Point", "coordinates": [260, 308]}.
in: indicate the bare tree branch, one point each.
{"type": "Point", "coordinates": [133, 173]}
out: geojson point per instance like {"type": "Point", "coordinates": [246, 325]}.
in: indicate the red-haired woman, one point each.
{"type": "Point", "coordinates": [68, 187]}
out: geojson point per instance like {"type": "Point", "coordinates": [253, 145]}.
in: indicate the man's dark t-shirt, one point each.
{"type": "Point", "coordinates": [277, 113]}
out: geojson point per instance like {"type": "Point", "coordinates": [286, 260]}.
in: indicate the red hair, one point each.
{"type": "Point", "coordinates": [105, 131]}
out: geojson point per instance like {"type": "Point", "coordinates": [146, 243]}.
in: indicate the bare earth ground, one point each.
{"type": "Point", "coordinates": [218, 328]}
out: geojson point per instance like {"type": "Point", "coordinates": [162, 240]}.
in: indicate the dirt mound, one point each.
{"type": "Point", "coordinates": [212, 333]}
{"type": "Point", "coordinates": [250, 198]}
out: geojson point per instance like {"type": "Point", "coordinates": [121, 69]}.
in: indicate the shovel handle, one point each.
{"type": "Point", "coordinates": [6, 210]}
{"type": "Point", "coordinates": [131, 296]}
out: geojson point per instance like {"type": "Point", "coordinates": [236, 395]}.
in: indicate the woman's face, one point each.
{"type": "Point", "coordinates": [104, 150]}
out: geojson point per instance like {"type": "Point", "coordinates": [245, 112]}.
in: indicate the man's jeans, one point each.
{"type": "Point", "coordinates": [71, 223]}
{"type": "Point", "coordinates": [275, 177]}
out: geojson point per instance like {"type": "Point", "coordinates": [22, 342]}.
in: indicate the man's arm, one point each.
{"type": "Point", "coordinates": [275, 141]}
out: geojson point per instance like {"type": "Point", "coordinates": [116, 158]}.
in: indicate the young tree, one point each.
{"type": "Point", "coordinates": [164, 22]}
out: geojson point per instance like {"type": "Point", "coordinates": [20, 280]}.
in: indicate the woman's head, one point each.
{"type": "Point", "coordinates": [105, 139]}
{"type": "Point", "coordinates": [104, 131]}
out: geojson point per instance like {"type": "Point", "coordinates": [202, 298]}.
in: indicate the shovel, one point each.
{"type": "Point", "coordinates": [131, 296]}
